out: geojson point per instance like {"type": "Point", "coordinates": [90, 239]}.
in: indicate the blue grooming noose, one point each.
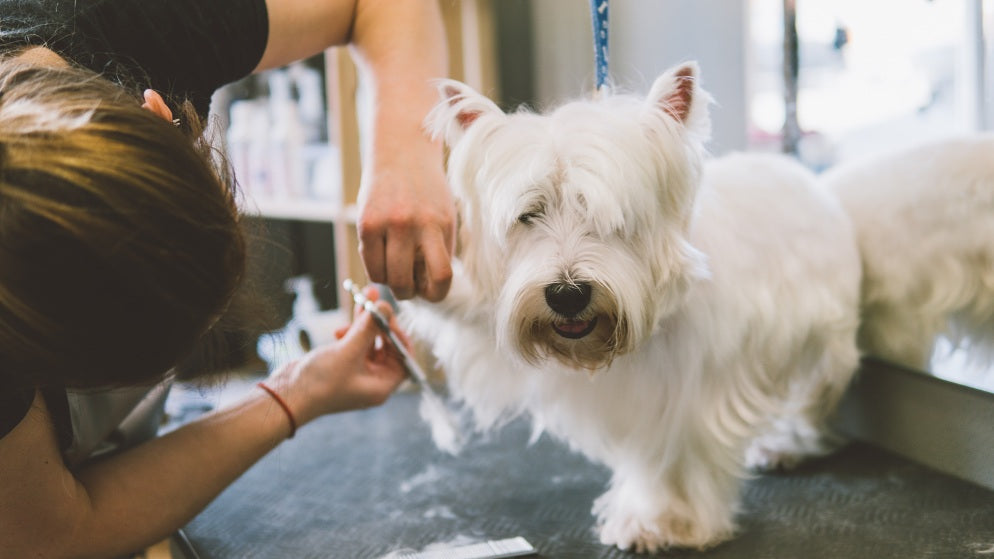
{"type": "Point", "coordinates": [598, 19]}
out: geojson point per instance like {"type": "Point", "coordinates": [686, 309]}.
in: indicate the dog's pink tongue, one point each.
{"type": "Point", "coordinates": [572, 326]}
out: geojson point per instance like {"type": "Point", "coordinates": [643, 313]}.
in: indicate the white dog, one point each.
{"type": "Point", "coordinates": [924, 218]}
{"type": "Point", "coordinates": [664, 317]}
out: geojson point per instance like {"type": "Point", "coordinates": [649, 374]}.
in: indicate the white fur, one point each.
{"type": "Point", "coordinates": [925, 222]}
{"type": "Point", "coordinates": [725, 294]}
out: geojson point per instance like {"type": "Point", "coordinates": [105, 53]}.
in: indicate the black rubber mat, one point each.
{"type": "Point", "coordinates": [363, 484]}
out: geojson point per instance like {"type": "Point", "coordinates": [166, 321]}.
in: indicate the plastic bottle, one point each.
{"type": "Point", "coordinates": [290, 342]}
{"type": "Point", "coordinates": [287, 139]}
{"type": "Point", "coordinates": [310, 101]}
{"type": "Point", "coordinates": [239, 141]}
{"type": "Point", "coordinates": [259, 170]}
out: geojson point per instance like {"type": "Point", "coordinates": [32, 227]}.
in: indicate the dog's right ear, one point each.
{"type": "Point", "coordinates": [677, 94]}
{"type": "Point", "coordinates": [460, 107]}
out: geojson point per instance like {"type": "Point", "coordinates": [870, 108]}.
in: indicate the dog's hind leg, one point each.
{"type": "Point", "coordinates": [800, 431]}
{"type": "Point", "coordinates": [904, 335]}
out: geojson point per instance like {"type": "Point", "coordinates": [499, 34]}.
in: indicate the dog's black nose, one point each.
{"type": "Point", "coordinates": [567, 299]}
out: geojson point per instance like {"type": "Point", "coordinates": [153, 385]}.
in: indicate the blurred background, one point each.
{"type": "Point", "coordinates": [869, 75]}
{"type": "Point", "coordinates": [825, 80]}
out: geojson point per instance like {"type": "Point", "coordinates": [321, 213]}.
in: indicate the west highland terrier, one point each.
{"type": "Point", "coordinates": [676, 320]}
{"type": "Point", "coordinates": [924, 218]}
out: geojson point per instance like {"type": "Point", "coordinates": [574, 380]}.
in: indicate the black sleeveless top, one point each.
{"type": "Point", "coordinates": [182, 48]}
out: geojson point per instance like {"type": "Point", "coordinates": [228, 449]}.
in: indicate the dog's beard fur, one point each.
{"type": "Point", "coordinates": [532, 334]}
{"type": "Point", "coordinates": [617, 316]}
{"type": "Point", "coordinates": [621, 313]}
{"type": "Point", "coordinates": [711, 316]}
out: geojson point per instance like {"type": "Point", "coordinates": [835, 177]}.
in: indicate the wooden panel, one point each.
{"type": "Point", "coordinates": [469, 28]}
{"type": "Point", "coordinates": [343, 134]}
{"type": "Point", "coordinates": [343, 124]}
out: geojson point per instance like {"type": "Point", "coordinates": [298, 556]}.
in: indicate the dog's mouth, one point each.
{"type": "Point", "coordinates": [574, 329]}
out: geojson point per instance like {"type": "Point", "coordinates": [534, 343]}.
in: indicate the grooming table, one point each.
{"type": "Point", "coordinates": [363, 484]}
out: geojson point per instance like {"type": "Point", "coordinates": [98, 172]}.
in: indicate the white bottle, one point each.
{"type": "Point", "coordinates": [258, 164]}
{"type": "Point", "coordinates": [286, 139]}
{"type": "Point", "coordinates": [292, 341]}
{"type": "Point", "coordinates": [309, 327]}
{"type": "Point", "coordinates": [239, 140]}
{"type": "Point", "coordinates": [310, 100]}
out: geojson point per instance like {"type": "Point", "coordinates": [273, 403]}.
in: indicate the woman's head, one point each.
{"type": "Point", "coordinates": [119, 237]}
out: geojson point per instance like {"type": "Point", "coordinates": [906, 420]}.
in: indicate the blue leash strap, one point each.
{"type": "Point", "coordinates": [598, 19]}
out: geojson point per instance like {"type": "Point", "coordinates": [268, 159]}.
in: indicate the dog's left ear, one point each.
{"type": "Point", "coordinates": [460, 107]}
{"type": "Point", "coordinates": [679, 96]}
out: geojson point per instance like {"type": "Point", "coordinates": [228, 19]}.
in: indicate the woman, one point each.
{"type": "Point", "coordinates": [120, 247]}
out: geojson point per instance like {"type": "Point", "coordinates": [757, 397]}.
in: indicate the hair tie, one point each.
{"type": "Point", "coordinates": [282, 403]}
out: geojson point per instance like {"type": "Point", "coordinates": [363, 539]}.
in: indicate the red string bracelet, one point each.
{"type": "Point", "coordinates": [282, 403]}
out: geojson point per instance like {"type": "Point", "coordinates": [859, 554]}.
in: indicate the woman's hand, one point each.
{"type": "Point", "coordinates": [407, 218]}
{"type": "Point", "coordinates": [360, 370]}
{"type": "Point", "coordinates": [406, 212]}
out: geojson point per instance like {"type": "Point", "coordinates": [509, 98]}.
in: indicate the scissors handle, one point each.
{"type": "Point", "coordinates": [412, 366]}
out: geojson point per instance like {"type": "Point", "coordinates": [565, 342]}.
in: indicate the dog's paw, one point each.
{"type": "Point", "coordinates": [781, 451]}
{"type": "Point", "coordinates": [632, 532]}
{"type": "Point", "coordinates": [761, 458]}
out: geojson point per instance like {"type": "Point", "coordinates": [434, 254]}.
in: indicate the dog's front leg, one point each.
{"type": "Point", "coordinates": [686, 497]}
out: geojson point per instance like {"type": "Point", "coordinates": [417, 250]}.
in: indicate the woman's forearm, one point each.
{"type": "Point", "coordinates": [167, 481]}
{"type": "Point", "coordinates": [133, 499]}
{"type": "Point", "coordinates": [401, 47]}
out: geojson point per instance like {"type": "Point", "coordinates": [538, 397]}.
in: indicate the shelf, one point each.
{"type": "Point", "coordinates": [321, 211]}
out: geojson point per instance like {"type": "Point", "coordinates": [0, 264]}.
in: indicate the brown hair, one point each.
{"type": "Point", "coordinates": [120, 239]}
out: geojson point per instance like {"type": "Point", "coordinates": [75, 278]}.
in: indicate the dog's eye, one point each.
{"type": "Point", "coordinates": [528, 217]}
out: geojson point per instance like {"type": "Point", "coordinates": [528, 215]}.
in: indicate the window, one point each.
{"type": "Point", "coordinates": [872, 75]}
